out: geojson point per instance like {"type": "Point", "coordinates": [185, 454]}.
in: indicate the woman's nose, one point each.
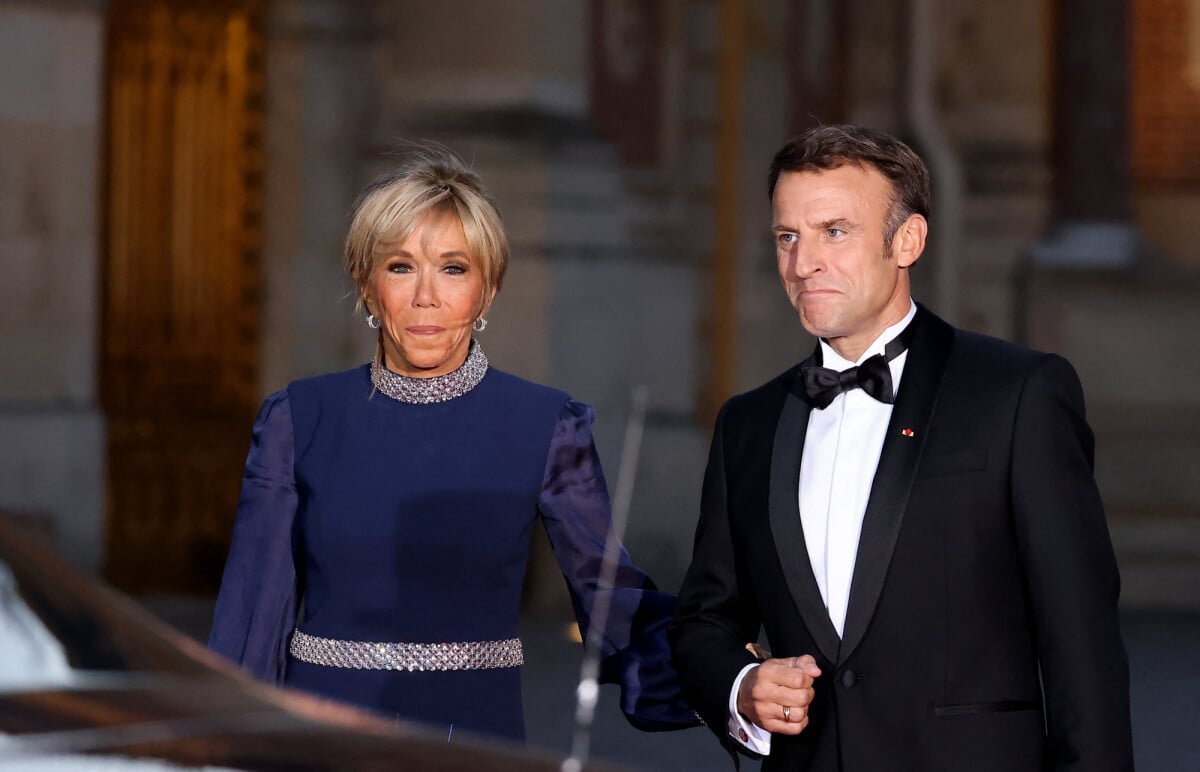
{"type": "Point", "coordinates": [425, 293]}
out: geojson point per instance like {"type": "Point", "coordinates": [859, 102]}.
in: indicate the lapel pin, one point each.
{"type": "Point", "coordinates": [907, 432]}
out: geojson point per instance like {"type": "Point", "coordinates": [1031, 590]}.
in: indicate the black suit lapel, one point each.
{"type": "Point", "coordinates": [786, 527]}
{"type": "Point", "coordinates": [902, 448]}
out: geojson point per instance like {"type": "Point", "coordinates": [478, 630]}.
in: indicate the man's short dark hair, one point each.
{"type": "Point", "coordinates": [830, 147]}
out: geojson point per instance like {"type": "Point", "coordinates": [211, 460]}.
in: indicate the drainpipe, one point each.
{"type": "Point", "coordinates": [945, 229]}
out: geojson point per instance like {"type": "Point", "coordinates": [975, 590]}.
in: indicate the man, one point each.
{"type": "Point", "coordinates": [910, 516]}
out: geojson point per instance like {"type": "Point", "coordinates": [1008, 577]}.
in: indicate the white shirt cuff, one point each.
{"type": "Point", "coordinates": [751, 736]}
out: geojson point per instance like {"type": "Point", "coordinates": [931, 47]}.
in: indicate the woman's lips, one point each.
{"type": "Point", "coordinates": [425, 330]}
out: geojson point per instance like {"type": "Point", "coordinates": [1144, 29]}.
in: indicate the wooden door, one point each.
{"type": "Point", "coordinates": [181, 282]}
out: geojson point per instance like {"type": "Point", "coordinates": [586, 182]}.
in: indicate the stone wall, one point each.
{"type": "Point", "coordinates": [51, 431]}
{"type": "Point", "coordinates": [611, 283]}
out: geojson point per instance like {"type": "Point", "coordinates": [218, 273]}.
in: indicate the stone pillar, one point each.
{"type": "Point", "coordinates": [1093, 214]}
{"type": "Point", "coordinates": [321, 94]}
{"type": "Point", "coordinates": [776, 100]}
{"type": "Point", "coordinates": [51, 429]}
{"type": "Point", "coordinates": [1145, 419]}
{"type": "Point", "coordinates": [600, 296]}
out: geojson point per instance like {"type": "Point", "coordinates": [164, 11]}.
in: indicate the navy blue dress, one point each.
{"type": "Point", "coordinates": [397, 522]}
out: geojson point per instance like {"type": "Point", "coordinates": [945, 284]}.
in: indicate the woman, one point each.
{"type": "Point", "coordinates": [390, 507]}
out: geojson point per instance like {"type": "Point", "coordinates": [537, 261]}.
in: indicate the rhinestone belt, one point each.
{"type": "Point", "coordinates": [362, 655]}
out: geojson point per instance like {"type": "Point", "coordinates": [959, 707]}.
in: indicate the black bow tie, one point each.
{"type": "Point", "coordinates": [874, 376]}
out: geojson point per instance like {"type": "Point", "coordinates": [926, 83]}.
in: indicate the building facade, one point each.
{"type": "Point", "coordinates": [176, 178]}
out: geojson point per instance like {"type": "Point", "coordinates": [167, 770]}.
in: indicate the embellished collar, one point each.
{"type": "Point", "coordinates": [440, 388]}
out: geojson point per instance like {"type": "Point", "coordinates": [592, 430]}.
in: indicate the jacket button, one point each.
{"type": "Point", "coordinates": [849, 678]}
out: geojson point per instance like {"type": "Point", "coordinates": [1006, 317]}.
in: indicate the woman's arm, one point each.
{"type": "Point", "coordinates": [256, 607]}
{"type": "Point", "coordinates": [577, 515]}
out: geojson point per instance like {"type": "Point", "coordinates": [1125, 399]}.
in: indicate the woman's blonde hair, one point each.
{"type": "Point", "coordinates": [431, 180]}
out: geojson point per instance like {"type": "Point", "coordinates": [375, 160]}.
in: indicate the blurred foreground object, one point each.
{"type": "Point", "coordinates": [91, 680]}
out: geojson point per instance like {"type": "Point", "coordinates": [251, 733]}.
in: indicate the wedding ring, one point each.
{"type": "Point", "coordinates": [787, 713]}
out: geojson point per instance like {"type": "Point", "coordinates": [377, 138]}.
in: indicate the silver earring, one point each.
{"type": "Point", "coordinates": [479, 325]}
{"type": "Point", "coordinates": [372, 322]}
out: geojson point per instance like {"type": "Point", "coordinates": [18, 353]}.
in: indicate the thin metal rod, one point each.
{"type": "Point", "coordinates": [588, 691]}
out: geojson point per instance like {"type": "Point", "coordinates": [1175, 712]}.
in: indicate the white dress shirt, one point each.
{"type": "Point", "coordinates": [841, 452]}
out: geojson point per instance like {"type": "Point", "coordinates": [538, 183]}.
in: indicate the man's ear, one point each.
{"type": "Point", "coordinates": [909, 241]}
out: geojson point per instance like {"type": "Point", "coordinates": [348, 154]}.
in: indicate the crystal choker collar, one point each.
{"type": "Point", "coordinates": [440, 388]}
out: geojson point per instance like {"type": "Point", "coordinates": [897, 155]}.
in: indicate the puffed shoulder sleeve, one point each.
{"type": "Point", "coordinates": [575, 509]}
{"type": "Point", "coordinates": [256, 607]}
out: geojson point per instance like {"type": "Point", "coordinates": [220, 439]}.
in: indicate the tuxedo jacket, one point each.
{"type": "Point", "coordinates": [981, 633]}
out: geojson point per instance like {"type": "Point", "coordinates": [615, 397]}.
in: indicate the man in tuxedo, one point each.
{"type": "Point", "coordinates": [910, 516]}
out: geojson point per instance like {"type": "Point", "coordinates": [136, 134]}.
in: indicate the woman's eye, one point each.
{"type": "Point", "coordinates": [398, 267]}
{"type": "Point", "coordinates": [455, 269]}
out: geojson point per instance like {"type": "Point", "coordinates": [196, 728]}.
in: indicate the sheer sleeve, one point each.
{"type": "Point", "coordinates": [256, 607]}
{"type": "Point", "coordinates": [575, 510]}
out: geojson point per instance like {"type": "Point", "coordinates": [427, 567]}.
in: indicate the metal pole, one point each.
{"type": "Point", "coordinates": [588, 691]}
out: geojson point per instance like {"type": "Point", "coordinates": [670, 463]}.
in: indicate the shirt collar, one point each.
{"type": "Point", "coordinates": [835, 361]}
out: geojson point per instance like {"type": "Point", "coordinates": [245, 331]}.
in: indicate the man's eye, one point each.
{"type": "Point", "coordinates": [835, 233]}
{"type": "Point", "coordinates": [786, 239]}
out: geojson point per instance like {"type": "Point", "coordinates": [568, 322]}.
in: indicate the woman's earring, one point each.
{"type": "Point", "coordinates": [479, 325]}
{"type": "Point", "coordinates": [372, 322]}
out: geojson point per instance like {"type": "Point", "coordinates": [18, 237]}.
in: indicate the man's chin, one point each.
{"type": "Point", "coordinates": [818, 328]}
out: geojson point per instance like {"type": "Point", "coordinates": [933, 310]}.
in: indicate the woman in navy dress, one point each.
{"type": "Point", "coordinates": [386, 512]}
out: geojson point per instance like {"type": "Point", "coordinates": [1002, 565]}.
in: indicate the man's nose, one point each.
{"type": "Point", "coordinates": [802, 262]}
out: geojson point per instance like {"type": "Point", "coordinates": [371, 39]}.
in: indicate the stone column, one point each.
{"type": "Point", "coordinates": [600, 296]}
{"type": "Point", "coordinates": [1093, 214]}
{"type": "Point", "coordinates": [1145, 419]}
{"type": "Point", "coordinates": [321, 96]}
{"type": "Point", "coordinates": [51, 429]}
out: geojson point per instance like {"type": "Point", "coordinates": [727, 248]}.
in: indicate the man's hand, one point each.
{"type": "Point", "coordinates": [776, 694]}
